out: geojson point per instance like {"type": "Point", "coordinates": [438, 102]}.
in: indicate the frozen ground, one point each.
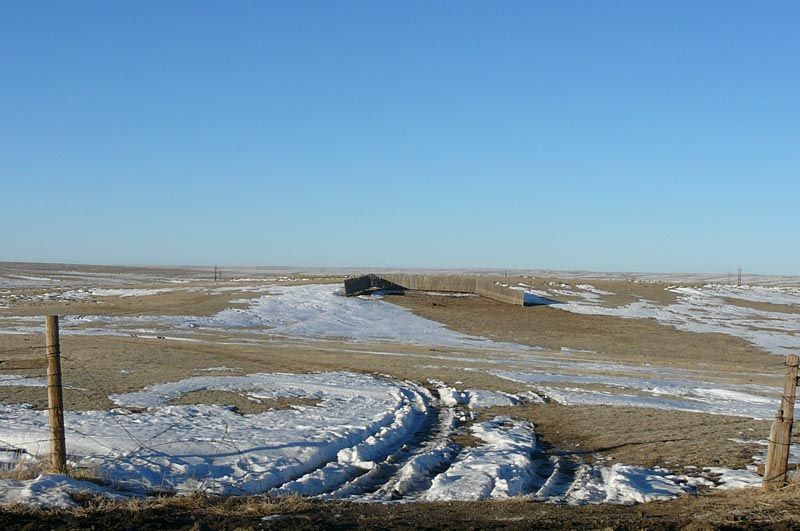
{"type": "Point", "coordinates": [319, 311]}
{"type": "Point", "coordinates": [368, 437]}
{"type": "Point", "coordinates": [709, 308]}
{"type": "Point", "coordinates": [314, 311]}
{"type": "Point", "coordinates": [757, 402]}
{"type": "Point", "coordinates": [43, 275]}
{"type": "Point", "coordinates": [378, 438]}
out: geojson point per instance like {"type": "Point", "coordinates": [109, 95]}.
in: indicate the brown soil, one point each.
{"type": "Point", "coordinates": [641, 436]}
{"type": "Point", "coordinates": [609, 338]}
{"type": "Point", "coordinates": [97, 366]}
{"type": "Point", "coordinates": [240, 402]}
{"type": "Point", "coordinates": [622, 291]}
{"type": "Point", "coordinates": [763, 306]}
{"type": "Point", "coordinates": [195, 299]}
{"type": "Point", "coordinates": [748, 509]}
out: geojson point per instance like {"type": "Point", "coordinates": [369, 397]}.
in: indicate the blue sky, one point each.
{"type": "Point", "coordinates": [646, 136]}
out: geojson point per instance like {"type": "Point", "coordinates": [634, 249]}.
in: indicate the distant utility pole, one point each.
{"type": "Point", "coordinates": [215, 273]}
{"type": "Point", "coordinates": [739, 278]}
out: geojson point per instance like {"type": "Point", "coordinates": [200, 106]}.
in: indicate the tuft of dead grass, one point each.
{"type": "Point", "coordinates": [25, 469]}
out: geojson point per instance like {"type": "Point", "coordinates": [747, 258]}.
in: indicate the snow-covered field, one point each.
{"type": "Point", "coordinates": [366, 438]}
{"type": "Point", "coordinates": [377, 437]}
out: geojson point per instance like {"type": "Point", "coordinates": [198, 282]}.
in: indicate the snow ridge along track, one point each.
{"type": "Point", "coordinates": [368, 438]}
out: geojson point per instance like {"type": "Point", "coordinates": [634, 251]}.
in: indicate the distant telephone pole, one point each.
{"type": "Point", "coordinates": [739, 278]}
{"type": "Point", "coordinates": [215, 273]}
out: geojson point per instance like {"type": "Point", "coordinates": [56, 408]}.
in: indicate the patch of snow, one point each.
{"type": "Point", "coordinates": [705, 310]}
{"type": "Point", "coordinates": [359, 420]}
{"type": "Point", "coordinates": [500, 468]}
{"type": "Point", "coordinates": [622, 484]}
{"type": "Point", "coordinates": [22, 381]}
{"type": "Point", "coordinates": [660, 393]}
{"type": "Point", "coordinates": [313, 311]}
{"type": "Point", "coordinates": [474, 398]}
{"type": "Point", "coordinates": [575, 396]}
{"type": "Point", "coordinates": [728, 479]}
{"type": "Point", "coordinates": [321, 311]}
{"type": "Point", "coordinates": [48, 491]}
{"type": "Point", "coordinates": [129, 292]}
{"type": "Point", "coordinates": [592, 289]}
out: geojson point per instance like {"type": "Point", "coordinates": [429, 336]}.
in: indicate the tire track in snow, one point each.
{"type": "Point", "coordinates": [366, 458]}
{"type": "Point", "coordinates": [414, 466]}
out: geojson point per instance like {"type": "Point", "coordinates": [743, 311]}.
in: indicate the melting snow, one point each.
{"type": "Point", "coordinates": [360, 420]}
{"type": "Point", "coordinates": [706, 309]}
{"type": "Point", "coordinates": [622, 484]}
{"type": "Point", "coordinates": [22, 381]}
{"type": "Point", "coordinates": [660, 393]}
{"type": "Point", "coordinates": [501, 467]}
{"type": "Point", "coordinates": [48, 491]}
{"type": "Point", "coordinates": [317, 311]}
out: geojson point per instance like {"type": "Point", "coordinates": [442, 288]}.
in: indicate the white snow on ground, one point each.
{"type": "Point", "coordinates": [770, 294]}
{"type": "Point", "coordinates": [22, 381]}
{"type": "Point", "coordinates": [503, 467]}
{"type": "Point", "coordinates": [51, 490]}
{"type": "Point", "coordinates": [24, 281]}
{"type": "Point", "coordinates": [499, 468]}
{"type": "Point", "coordinates": [761, 458]}
{"type": "Point", "coordinates": [752, 401]}
{"type": "Point", "coordinates": [592, 289]}
{"type": "Point", "coordinates": [321, 311]}
{"type": "Point", "coordinates": [316, 311]}
{"type": "Point", "coordinates": [706, 309]}
{"type": "Point", "coordinates": [359, 421]}
{"type": "Point", "coordinates": [474, 398]}
{"type": "Point", "coordinates": [335, 449]}
{"type": "Point", "coordinates": [129, 292]}
{"type": "Point", "coordinates": [728, 479]}
{"type": "Point", "coordinates": [85, 294]}
{"type": "Point", "coordinates": [574, 396]}
{"type": "Point", "coordinates": [621, 484]}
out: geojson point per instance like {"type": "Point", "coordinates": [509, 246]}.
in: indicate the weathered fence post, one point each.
{"type": "Point", "coordinates": [55, 398]}
{"type": "Point", "coordinates": [780, 436]}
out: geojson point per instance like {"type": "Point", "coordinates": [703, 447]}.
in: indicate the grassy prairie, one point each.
{"type": "Point", "coordinates": [98, 366]}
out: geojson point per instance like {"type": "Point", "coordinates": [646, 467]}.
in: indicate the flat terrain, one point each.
{"type": "Point", "coordinates": [599, 388]}
{"type": "Point", "coordinates": [598, 337]}
{"type": "Point", "coordinates": [740, 510]}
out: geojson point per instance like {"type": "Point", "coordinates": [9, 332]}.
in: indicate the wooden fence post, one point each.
{"type": "Point", "coordinates": [55, 398]}
{"type": "Point", "coordinates": [780, 436]}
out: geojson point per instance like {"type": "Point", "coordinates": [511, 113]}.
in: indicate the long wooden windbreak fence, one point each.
{"type": "Point", "coordinates": [483, 286]}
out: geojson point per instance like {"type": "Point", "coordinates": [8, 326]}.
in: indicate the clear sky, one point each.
{"type": "Point", "coordinates": [618, 135]}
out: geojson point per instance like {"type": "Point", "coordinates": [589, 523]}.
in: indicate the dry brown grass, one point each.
{"type": "Point", "coordinates": [24, 470]}
{"type": "Point", "coordinates": [745, 509]}
{"type": "Point", "coordinates": [605, 337]}
{"type": "Point", "coordinates": [241, 402]}
{"type": "Point", "coordinates": [641, 436]}
{"type": "Point", "coordinates": [632, 435]}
